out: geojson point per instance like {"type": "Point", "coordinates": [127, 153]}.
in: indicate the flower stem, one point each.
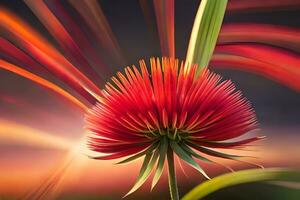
{"type": "Point", "coordinates": [172, 175]}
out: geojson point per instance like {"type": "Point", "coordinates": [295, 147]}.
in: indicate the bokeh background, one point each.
{"type": "Point", "coordinates": [27, 165]}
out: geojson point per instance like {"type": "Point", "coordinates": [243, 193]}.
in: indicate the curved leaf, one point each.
{"type": "Point", "coordinates": [145, 171]}
{"type": "Point", "coordinates": [244, 176]}
{"type": "Point", "coordinates": [193, 153]}
{"type": "Point", "coordinates": [162, 155]}
{"type": "Point", "coordinates": [213, 152]}
{"type": "Point", "coordinates": [136, 156]}
{"type": "Point", "coordinates": [182, 154]}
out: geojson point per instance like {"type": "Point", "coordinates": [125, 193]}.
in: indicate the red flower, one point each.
{"type": "Point", "coordinates": [144, 113]}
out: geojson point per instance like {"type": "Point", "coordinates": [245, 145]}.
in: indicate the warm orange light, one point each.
{"type": "Point", "coordinates": [11, 132]}
{"type": "Point", "coordinates": [43, 82]}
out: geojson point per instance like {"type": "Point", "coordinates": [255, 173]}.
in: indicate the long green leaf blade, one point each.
{"type": "Point", "coordinates": [196, 155]}
{"type": "Point", "coordinates": [136, 156]}
{"type": "Point", "coordinates": [162, 155]}
{"type": "Point", "coordinates": [187, 158]}
{"type": "Point", "coordinates": [205, 32]}
{"type": "Point", "coordinates": [145, 171]}
{"type": "Point", "coordinates": [214, 153]}
{"type": "Point", "coordinates": [223, 155]}
{"type": "Point", "coordinates": [193, 153]}
{"type": "Point", "coordinates": [240, 177]}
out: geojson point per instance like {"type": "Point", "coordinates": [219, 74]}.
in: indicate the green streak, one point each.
{"type": "Point", "coordinates": [136, 156]}
{"type": "Point", "coordinates": [163, 148]}
{"type": "Point", "coordinates": [244, 176]}
{"type": "Point", "coordinates": [145, 171]}
{"type": "Point", "coordinates": [205, 32]}
{"type": "Point", "coordinates": [182, 154]}
{"type": "Point", "coordinates": [172, 176]}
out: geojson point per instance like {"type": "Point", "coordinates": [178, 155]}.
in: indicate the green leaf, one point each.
{"type": "Point", "coordinates": [214, 153]}
{"type": "Point", "coordinates": [193, 153]}
{"type": "Point", "coordinates": [223, 155]}
{"type": "Point", "coordinates": [240, 177]}
{"type": "Point", "coordinates": [145, 170]}
{"type": "Point", "coordinates": [136, 156]}
{"type": "Point", "coordinates": [196, 155]}
{"type": "Point", "coordinates": [187, 158]}
{"type": "Point", "coordinates": [162, 155]}
{"type": "Point", "coordinates": [205, 32]}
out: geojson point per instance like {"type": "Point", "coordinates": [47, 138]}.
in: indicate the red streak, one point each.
{"type": "Point", "coordinates": [280, 65]}
{"type": "Point", "coordinates": [238, 5]}
{"type": "Point", "coordinates": [47, 55]}
{"type": "Point", "coordinates": [95, 19]}
{"type": "Point", "coordinates": [164, 11]}
{"type": "Point", "coordinates": [16, 56]}
{"type": "Point", "coordinates": [261, 33]}
{"type": "Point", "coordinates": [10, 67]}
{"type": "Point", "coordinates": [65, 40]}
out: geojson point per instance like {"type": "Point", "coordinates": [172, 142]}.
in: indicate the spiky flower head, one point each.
{"type": "Point", "coordinates": [169, 110]}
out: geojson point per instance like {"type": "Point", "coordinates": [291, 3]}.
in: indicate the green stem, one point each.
{"type": "Point", "coordinates": [172, 175]}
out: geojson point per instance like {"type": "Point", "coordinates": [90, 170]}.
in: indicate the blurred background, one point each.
{"type": "Point", "coordinates": [30, 164]}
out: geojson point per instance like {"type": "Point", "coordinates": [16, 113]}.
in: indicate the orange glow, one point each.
{"type": "Point", "coordinates": [11, 132]}
{"type": "Point", "coordinates": [101, 177]}
{"type": "Point", "coordinates": [64, 38]}
{"type": "Point", "coordinates": [45, 53]}
{"type": "Point", "coordinates": [43, 82]}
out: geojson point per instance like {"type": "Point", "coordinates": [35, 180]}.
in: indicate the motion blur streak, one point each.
{"type": "Point", "coordinates": [241, 5]}
{"type": "Point", "coordinates": [277, 64]}
{"type": "Point", "coordinates": [275, 35]}
{"type": "Point", "coordinates": [149, 16]}
{"type": "Point", "coordinates": [14, 55]}
{"type": "Point", "coordinates": [11, 132]}
{"type": "Point", "coordinates": [47, 55]}
{"type": "Point", "coordinates": [93, 15]}
{"type": "Point", "coordinates": [254, 66]}
{"type": "Point", "coordinates": [164, 11]}
{"type": "Point", "coordinates": [62, 37]}
{"type": "Point", "coordinates": [52, 185]}
{"type": "Point", "coordinates": [48, 189]}
{"type": "Point", "coordinates": [43, 82]}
